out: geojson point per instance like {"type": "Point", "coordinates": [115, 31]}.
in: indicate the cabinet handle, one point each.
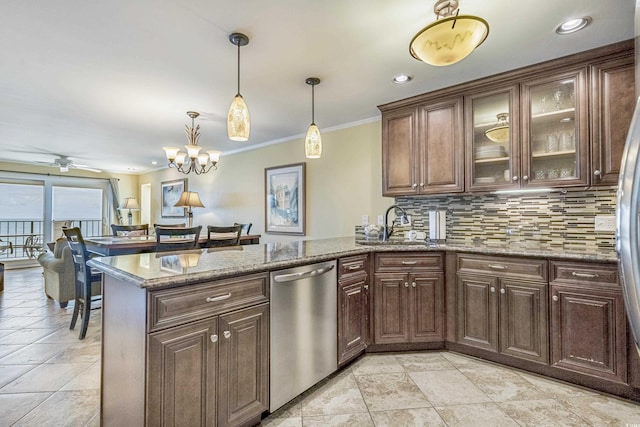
{"type": "Point", "coordinates": [525, 178]}
{"type": "Point", "coordinates": [214, 338]}
{"type": "Point", "coordinates": [226, 334]}
{"type": "Point", "coordinates": [413, 284]}
{"type": "Point", "coordinates": [584, 275]}
{"type": "Point", "coordinates": [422, 184]}
{"type": "Point", "coordinates": [406, 284]}
{"type": "Point", "coordinates": [414, 186]}
{"type": "Point", "coordinates": [596, 172]}
{"type": "Point", "coordinates": [493, 289]}
{"type": "Point", "coordinates": [354, 267]}
{"type": "Point", "coordinates": [555, 298]}
{"type": "Point", "coordinates": [366, 287]}
{"type": "Point", "coordinates": [514, 179]}
{"type": "Point", "coordinates": [502, 291]}
{"type": "Point", "coordinates": [409, 262]}
{"type": "Point", "coordinates": [219, 298]}
{"type": "Point", "coordinates": [497, 267]}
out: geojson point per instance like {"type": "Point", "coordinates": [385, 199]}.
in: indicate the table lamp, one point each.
{"type": "Point", "coordinates": [189, 199]}
{"type": "Point", "coordinates": [132, 204]}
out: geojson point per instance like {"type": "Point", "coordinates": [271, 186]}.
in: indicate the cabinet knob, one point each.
{"type": "Point", "coordinates": [414, 186]}
{"type": "Point", "coordinates": [366, 287]}
{"type": "Point", "coordinates": [555, 297]}
{"type": "Point", "coordinates": [525, 178]}
{"type": "Point", "coordinates": [227, 334]}
{"type": "Point", "coordinates": [214, 338]}
{"type": "Point", "coordinates": [406, 284]}
{"type": "Point", "coordinates": [413, 284]}
{"type": "Point", "coordinates": [596, 172]}
{"type": "Point", "coordinates": [493, 289]}
{"type": "Point", "coordinates": [422, 185]}
{"type": "Point", "coordinates": [514, 179]}
{"type": "Point", "coordinates": [502, 291]}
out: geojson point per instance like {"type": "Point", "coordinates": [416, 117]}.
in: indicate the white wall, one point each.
{"type": "Point", "coordinates": [345, 183]}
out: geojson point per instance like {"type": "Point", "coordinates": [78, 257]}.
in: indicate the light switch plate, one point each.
{"type": "Point", "coordinates": [365, 220]}
{"type": "Point", "coordinates": [380, 220]}
{"type": "Point", "coordinates": [605, 223]}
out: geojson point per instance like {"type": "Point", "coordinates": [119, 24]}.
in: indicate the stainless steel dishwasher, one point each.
{"type": "Point", "coordinates": [304, 329]}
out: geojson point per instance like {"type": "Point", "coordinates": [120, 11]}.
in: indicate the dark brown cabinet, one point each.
{"type": "Point", "coordinates": [502, 305]}
{"type": "Point", "coordinates": [423, 149]}
{"type": "Point", "coordinates": [588, 323]}
{"type": "Point", "coordinates": [353, 307]}
{"type": "Point", "coordinates": [408, 298]}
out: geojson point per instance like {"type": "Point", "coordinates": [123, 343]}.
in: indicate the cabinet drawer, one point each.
{"type": "Point", "coordinates": [194, 302]}
{"type": "Point", "coordinates": [579, 272]}
{"type": "Point", "coordinates": [502, 266]}
{"type": "Point", "coordinates": [352, 265]}
{"type": "Point", "coordinates": [405, 261]}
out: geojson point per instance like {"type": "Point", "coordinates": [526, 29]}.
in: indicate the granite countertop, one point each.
{"type": "Point", "coordinates": [156, 270]}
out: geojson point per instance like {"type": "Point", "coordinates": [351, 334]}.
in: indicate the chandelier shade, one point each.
{"type": "Point", "coordinates": [451, 39]}
{"type": "Point", "coordinates": [238, 120]}
{"type": "Point", "coordinates": [500, 132]}
{"type": "Point", "coordinates": [193, 160]}
{"type": "Point", "coordinates": [313, 139]}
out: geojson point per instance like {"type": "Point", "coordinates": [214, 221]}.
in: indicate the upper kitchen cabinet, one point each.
{"type": "Point", "coordinates": [422, 149]}
{"type": "Point", "coordinates": [612, 105]}
{"type": "Point", "coordinates": [555, 136]}
{"type": "Point", "coordinates": [493, 143]}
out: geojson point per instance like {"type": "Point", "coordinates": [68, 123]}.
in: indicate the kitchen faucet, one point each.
{"type": "Point", "coordinates": [387, 232]}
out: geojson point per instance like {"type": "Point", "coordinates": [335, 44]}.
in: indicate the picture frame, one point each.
{"type": "Point", "coordinates": [285, 199]}
{"type": "Point", "coordinates": [171, 192]}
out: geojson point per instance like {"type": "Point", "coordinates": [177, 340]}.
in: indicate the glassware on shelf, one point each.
{"type": "Point", "coordinates": [540, 174]}
{"type": "Point", "coordinates": [552, 143]}
{"type": "Point", "coordinates": [543, 103]}
{"type": "Point", "coordinates": [558, 97]}
{"type": "Point", "coordinates": [566, 172]}
{"type": "Point", "coordinates": [566, 141]}
{"type": "Point", "coordinates": [553, 173]}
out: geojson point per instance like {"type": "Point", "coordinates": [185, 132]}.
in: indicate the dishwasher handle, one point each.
{"type": "Point", "coordinates": [281, 278]}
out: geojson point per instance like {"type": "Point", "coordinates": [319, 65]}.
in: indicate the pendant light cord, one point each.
{"type": "Point", "coordinates": [238, 69]}
{"type": "Point", "coordinates": [313, 104]}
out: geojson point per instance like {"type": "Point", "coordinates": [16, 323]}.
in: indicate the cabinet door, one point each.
{"type": "Point", "coordinates": [391, 308]}
{"type": "Point", "coordinates": [477, 317]}
{"type": "Point", "coordinates": [556, 137]}
{"type": "Point", "coordinates": [492, 126]}
{"type": "Point", "coordinates": [399, 155]}
{"type": "Point", "coordinates": [441, 152]}
{"type": "Point", "coordinates": [243, 389]}
{"type": "Point", "coordinates": [612, 105]}
{"type": "Point", "coordinates": [182, 375]}
{"type": "Point", "coordinates": [588, 331]}
{"type": "Point", "coordinates": [351, 318]}
{"type": "Point", "coordinates": [523, 320]}
{"type": "Point", "coordinates": [426, 303]}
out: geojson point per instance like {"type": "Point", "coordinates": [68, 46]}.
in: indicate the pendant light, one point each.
{"type": "Point", "coordinates": [500, 132]}
{"type": "Point", "coordinates": [313, 140]}
{"type": "Point", "coordinates": [451, 39]}
{"type": "Point", "coordinates": [238, 121]}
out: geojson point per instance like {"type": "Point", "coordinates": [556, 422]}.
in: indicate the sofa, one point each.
{"type": "Point", "coordinates": [59, 274]}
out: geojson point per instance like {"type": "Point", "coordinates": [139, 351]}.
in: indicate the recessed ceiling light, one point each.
{"type": "Point", "coordinates": [572, 25]}
{"type": "Point", "coordinates": [154, 162]}
{"type": "Point", "coordinates": [402, 78]}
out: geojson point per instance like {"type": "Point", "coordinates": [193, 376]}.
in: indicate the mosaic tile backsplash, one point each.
{"type": "Point", "coordinates": [560, 219]}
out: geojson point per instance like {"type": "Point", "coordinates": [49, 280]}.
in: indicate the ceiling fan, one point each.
{"type": "Point", "coordinates": [65, 163]}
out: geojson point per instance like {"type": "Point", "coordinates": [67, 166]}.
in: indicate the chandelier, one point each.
{"type": "Point", "coordinates": [500, 132]}
{"type": "Point", "coordinates": [192, 160]}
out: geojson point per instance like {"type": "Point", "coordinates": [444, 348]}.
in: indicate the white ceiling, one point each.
{"type": "Point", "coordinates": [108, 83]}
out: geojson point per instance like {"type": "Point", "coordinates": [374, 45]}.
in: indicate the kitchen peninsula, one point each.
{"type": "Point", "coordinates": [186, 335]}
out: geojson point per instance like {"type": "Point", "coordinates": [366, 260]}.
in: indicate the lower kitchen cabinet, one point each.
{"type": "Point", "coordinates": [353, 307]}
{"type": "Point", "coordinates": [588, 322]}
{"type": "Point", "coordinates": [502, 306]}
{"type": "Point", "coordinates": [408, 303]}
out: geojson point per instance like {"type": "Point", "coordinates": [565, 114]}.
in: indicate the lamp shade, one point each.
{"type": "Point", "coordinates": [238, 121]}
{"type": "Point", "coordinates": [189, 199]}
{"type": "Point", "coordinates": [449, 40]}
{"type": "Point", "coordinates": [313, 143]}
{"type": "Point", "coordinates": [500, 132]}
{"type": "Point", "coordinates": [130, 203]}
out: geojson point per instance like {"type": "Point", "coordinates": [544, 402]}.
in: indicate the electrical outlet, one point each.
{"type": "Point", "coordinates": [605, 223]}
{"type": "Point", "coordinates": [365, 220]}
{"type": "Point", "coordinates": [380, 219]}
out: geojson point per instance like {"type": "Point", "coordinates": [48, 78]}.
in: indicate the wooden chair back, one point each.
{"type": "Point", "coordinates": [246, 228]}
{"type": "Point", "coordinates": [123, 230]}
{"type": "Point", "coordinates": [223, 236]}
{"type": "Point", "coordinates": [177, 238]}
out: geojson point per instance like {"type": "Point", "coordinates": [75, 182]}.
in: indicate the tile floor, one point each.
{"type": "Point", "coordinates": [49, 377]}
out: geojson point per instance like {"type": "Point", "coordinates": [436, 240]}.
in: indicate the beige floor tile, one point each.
{"type": "Point", "coordinates": [9, 373]}
{"type": "Point", "coordinates": [64, 408]}
{"type": "Point", "coordinates": [556, 389]}
{"type": "Point", "coordinates": [95, 421]}
{"type": "Point", "coordinates": [17, 322]}
{"type": "Point", "coordinates": [88, 379]}
{"type": "Point", "coordinates": [605, 410]}
{"type": "Point", "coordinates": [6, 349]}
{"type": "Point", "coordinates": [461, 361]}
{"type": "Point", "coordinates": [350, 420]}
{"type": "Point", "coordinates": [32, 353]}
{"type": "Point", "coordinates": [444, 388]}
{"type": "Point", "coordinates": [547, 412]}
{"type": "Point", "coordinates": [282, 422]}
{"type": "Point", "coordinates": [377, 364]}
{"type": "Point", "coordinates": [26, 336]}
{"type": "Point", "coordinates": [340, 395]}
{"type": "Point", "coordinates": [502, 384]}
{"type": "Point", "coordinates": [46, 377]}
{"type": "Point", "coordinates": [420, 362]}
{"type": "Point", "coordinates": [292, 409]}
{"type": "Point", "coordinates": [475, 414]}
{"type": "Point", "coordinates": [419, 417]}
{"type": "Point", "coordinates": [16, 406]}
{"type": "Point", "coordinates": [390, 391]}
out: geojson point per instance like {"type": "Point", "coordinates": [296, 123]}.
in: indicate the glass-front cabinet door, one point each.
{"type": "Point", "coordinates": [493, 146]}
{"type": "Point", "coordinates": [555, 141]}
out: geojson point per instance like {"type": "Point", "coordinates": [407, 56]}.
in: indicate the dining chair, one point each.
{"type": "Point", "coordinates": [182, 224]}
{"type": "Point", "coordinates": [223, 236]}
{"type": "Point", "coordinates": [125, 230]}
{"type": "Point", "coordinates": [85, 278]}
{"type": "Point", "coordinates": [246, 228]}
{"type": "Point", "coordinates": [177, 238]}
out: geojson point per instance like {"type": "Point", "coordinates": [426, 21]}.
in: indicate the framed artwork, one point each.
{"type": "Point", "coordinates": [285, 199]}
{"type": "Point", "coordinates": [171, 192]}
